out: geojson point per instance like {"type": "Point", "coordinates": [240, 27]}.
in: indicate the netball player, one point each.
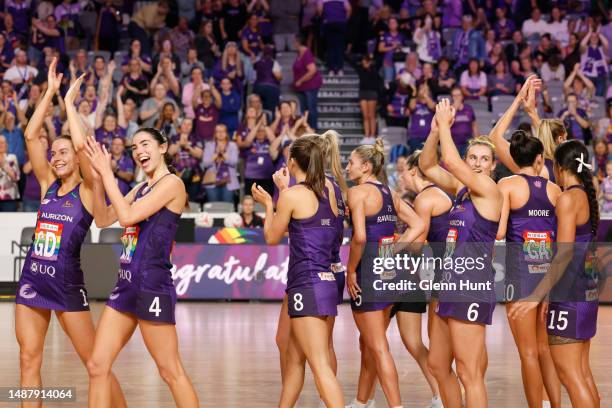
{"type": "Point", "coordinates": [308, 211]}
{"type": "Point", "coordinates": [144, 295]}
{"type": "Point", "coordinates": [458, 330]}
{"type": "Point", "coordinates": [374, 212]}
{"type": "Point", "coordinates": [335, 181]}
{"type": "Point", "coordinates": [51, 278]}
{"type": "Point", "coordinates": [551, 132]}
{"type": "Point", "coordinates": [529, 225]}
{"type": "Point", "coordinates": [572, 311]}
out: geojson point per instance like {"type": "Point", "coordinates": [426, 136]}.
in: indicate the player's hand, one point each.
{"type": "Point", "coordinates": [351, 285]}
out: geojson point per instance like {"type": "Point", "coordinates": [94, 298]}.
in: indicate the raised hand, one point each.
{"type": "Point", "coordinates": [54, 80]}
{"type": "Point", "coordinates": [260, 195]}
{"type": "Point", "coordinates": [445, 113]}
{"type": "Point", "coordinates": [74, 91]}
{"type": "Point", "coordinates": [281, 178]}
{"type": "Point", "coordinates": [99, 157]}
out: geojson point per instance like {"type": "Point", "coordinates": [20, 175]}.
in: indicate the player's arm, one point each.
{"type": "Point", "coordinates": [505, 186]}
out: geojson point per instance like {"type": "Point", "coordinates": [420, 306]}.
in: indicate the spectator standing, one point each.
{"type": "Point", "coordinates": [197, 81]}
{"type": "Point", "coordinates": [420, 111]}
{"type": "Point", "coordinates": [285, 20]}
{"type": "Point", "coordinates": [108, 28]}
{"type": "Point", "coordinates": [182, 38]}
{"type": "Point", "coordinates": [207, 46]}
{"type": "Point", "coordinates": [593, 50]}
{"type": "Point", "coordinates": [306, 80]}
{"type": "Point", "coordinates": [334, 15]}
{"type": "Point", "coordinates": [428, 41]}
{"type": "Point", "coordinates": [369, 86]}
{"type": "Point", "coordinates": [389, 44]}
{"type": "Point", "coordinates": [267, 80]}
{"type": "Point", "coordinates": [259, 165]}
{"type": "Point", "coordinates": [219, 165]}
{"type": "Point", "coordinates": [233, 20]}
{"type": "Point", "coordinates": [229, 103]}
{"type": "Point", "coordinates": [149, 18]}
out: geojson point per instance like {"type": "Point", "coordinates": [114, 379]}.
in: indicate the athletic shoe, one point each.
{"type": "Point", "coordinates": [371, 404]}
{"type": "Point", "coordinates": [322, 404]}
{"type": "Point", "coordinates": [356, 404]}
{"type": "Point", "coordinates": [368, 140]}
{"type": "Point", "coordinates": [340, 73]}
{"type": "Point", "coordinates": [545, 404]}
{"type": "Point", "coordinates": [436, 402]}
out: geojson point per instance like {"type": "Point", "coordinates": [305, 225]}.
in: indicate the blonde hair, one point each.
{"type": "Point", "coordinates": [225, 58]}
{"type": "Point", "coordinates": [332, 157]}
{"type": "Point", "coordinates": [548, 131]}
{"type": "Point", "coordinates": [482, 140]}
{"type": "Point", "coordinates": [375, 155]}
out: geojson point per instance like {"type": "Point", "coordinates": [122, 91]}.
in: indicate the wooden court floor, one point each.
{"type": "Point", "coordinates": [230, 354]}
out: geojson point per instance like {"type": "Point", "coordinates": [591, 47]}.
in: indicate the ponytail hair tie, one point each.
{"type": "Point", "coordinates": [581, 164]}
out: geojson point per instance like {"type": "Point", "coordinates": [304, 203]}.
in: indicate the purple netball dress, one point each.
{"type": "Point", "coordinates": [530, 236]}
{"type": "Point", "coordinates": [572, 311]}
{"type": "Point", "coordinates": [380, 231]}
{"type": "Point", "coordinates": [337, 268]}
{"type": "Point", "coordinates": [144, 283]}
{"type": "Point", "coordinates": [51, 277]}
{"type": "Point", "coordinates": [470, 236]}
{"type": "Point", "coordinates": [311, 286]}
{"type": "Point", "coordinates": [436, 236]}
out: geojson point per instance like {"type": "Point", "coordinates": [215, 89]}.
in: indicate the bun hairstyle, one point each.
{"type": "Point", "coordinates": [524, 148]}
{"type": "Point", "coordinates": [549, 131]}
{"type": "Point", "coordinates": [375, 155]}
{"type": "Point", "coordinates": [308, 154]}
{"type": "Point", "coordinates": [331, 152]}
{"type": "Point", "coordinates": [160, 138]}
{"type": "Point", "coordinates": [573, 156]}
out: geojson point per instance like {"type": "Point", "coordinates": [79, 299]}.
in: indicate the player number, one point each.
{"type": "Point", "coordinates": [561, 320]}
{"type": "Point", "coordinates": [472, 313]}
{"type": "Point", "coordinates": [154, 308]}
{"type": "Point", "coordinates": [358, 300]}
{"type": "Point", "coordinates": [297, 302]}
{"type": "Point", "coordinates": [509, 292]}
{"type": "Point", "coordinates": [84, 297]}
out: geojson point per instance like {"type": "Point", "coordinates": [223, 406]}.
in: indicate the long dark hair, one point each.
{"type": "Point", "coordinates": [160, 138]}
{"type": "Point", "coordinates": [307, 151]}
{"type": "Point", "coordinates": [524, 148]}
{"type": "Point", "coordinates": [568, 156]}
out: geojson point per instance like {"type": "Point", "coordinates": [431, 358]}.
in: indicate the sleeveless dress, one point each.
{"type": "Point", "coordinates": [51, 277]}
{"type": "Point", "coordinates": [380, 239]}
{"type": "Point", "coordinates": [573, 307]}
{"type": "Point", "coordinates": [144, 283]}
{"type": "Point", "coordinates": [529, 240]}
{"type": "Point", "coordinates": [470, 238]}
{"type": "Point", "coordinates": [311, 285]}
{"type": "Point", "coordinates": [337, 268]}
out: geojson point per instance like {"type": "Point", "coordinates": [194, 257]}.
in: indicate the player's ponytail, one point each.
{"type": "Point", "coordinates": [551, 132]}
{"type": "Point", "coordinates": [375, 155]}
{"type": "Point", "coordinates": [573, 156]}
{"type": "Point", "coordinates": [307, 152]}
{"type": "Point", "coordinates": [332, 157]}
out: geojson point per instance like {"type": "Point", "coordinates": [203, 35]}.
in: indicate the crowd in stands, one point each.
{"type": "Point", "coordinates": [206, 73]}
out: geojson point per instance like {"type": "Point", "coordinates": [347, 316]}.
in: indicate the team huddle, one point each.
{"type": "Point", "coordinates": [549, 199]}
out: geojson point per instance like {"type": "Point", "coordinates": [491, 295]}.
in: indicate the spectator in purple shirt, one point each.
{"type": "Point", "coordinates": [388, 44]}
{"type": "Point", "coordinates": [259, 165]}
{"type": "Point", "coordinates": [21, 11]}
{"type": "Point", "coordinates": [451, 13]}
{"type": "Point", "coordinates": [267, 81]}
{"type": "Point", "coordinates": [230, 66]}
{"type": "Point", "coordinates": [306, 80]}
{"type": "Point", "coordinates": [206, 115]}
{"type": "Point", "coordinates": [135, 52]}
{"type": "Point", "coordinates": [182, 38]}
{"type": "Point", "coordinates": [122, 164]}
{"type": "Point", "coordinates": [503, 27]}
{"type": "Point", "coordinates": [465, 126]}
{"type": "Point", "coordinates": [421, 111]}
{"type": "Point", "coordinates": [47, 34]}
{"type": "Point", "coordinates": [251, 39]}
{"type": "Point", "coordinates": [6, 54]}
{"type": "Point", "coordinates": [334, 15]}
{"type": "Point", "coordinates": [187, 151]}
{"type": "Point", "coordinates": [108, 28]}
{"type": "Point", "coordinates": [501, 82]}
{"type": "Point", "coordinates": [67, 15]}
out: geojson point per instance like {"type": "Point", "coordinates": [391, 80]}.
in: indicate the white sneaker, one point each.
{"type": "Point", "coordinates": [322, 404]}
{"type": "Point", "coordinates": [356, 404]}
{"type": "Point", "coordinates": [340, 73]}
{"type": "Point", "coordinates": [545, 404]}
{"type": "Point", "coordinates": [368, 140]}
{"type": "Point", "coordinates": [436, 402]}
{"type": "Point", "coordinates": [371, 404]}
